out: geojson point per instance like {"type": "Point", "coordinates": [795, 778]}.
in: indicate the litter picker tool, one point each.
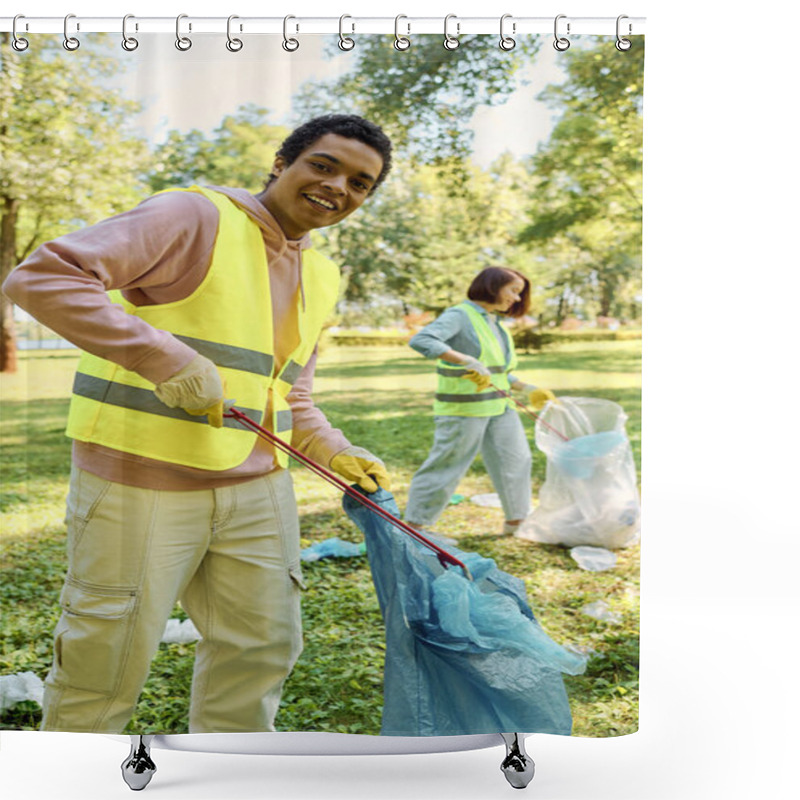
{"type": "Point", "coordinates": [530, 413]}
{"type": "Point", "coordinates": [443, 556]}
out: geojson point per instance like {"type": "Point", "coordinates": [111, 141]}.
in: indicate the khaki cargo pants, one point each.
{"type": "Point", "coordinates": [231, 556]}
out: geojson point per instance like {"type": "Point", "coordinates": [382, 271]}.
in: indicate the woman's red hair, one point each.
{"type": "Point", "coordinates": [487, 284]}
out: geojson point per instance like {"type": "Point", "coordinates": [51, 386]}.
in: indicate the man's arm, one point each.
{"type": "Point", "coordinates": [157, 252]}
{"type": "Point", "coordinates": [312, 434]}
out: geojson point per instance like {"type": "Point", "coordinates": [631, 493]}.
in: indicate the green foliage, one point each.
{"type": "Point", "coordinates": [66, 147]}
{"type": "Point", "coordinates": [239, 153]}
{"type": "Point", "coordinates": [369, 338]}
{"type": "Point", "coordinates": [421, 240]}
{"type": "Point", "coordinates": [586, 204]}
{"type": "Point", "coordinates": [424, 97]}
{"type": "Point", "coordinates": [528, 339]}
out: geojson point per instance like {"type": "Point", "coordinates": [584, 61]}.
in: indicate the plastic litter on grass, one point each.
{"type": "Point", "coordinates": [180, 632]}
{"type": "Point", "coordinates": [19, 687]}
{"type": "Point", "coordinates": [333, 548]}
{"type": "Point", "coordinates": [593, 559]}
{"type": "Point", "coordinates": [491, 500]}
{"type": "Point", "coordinates": [601, 611]}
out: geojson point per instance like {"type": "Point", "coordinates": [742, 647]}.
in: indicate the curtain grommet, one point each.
{"type": "Point", "coordinates": [507, 43]}
{"type": "Point", "coordinates": [451, 42]}
{"type": "Point", "coordinates": [560, 43]}
{"type": "Point", "coordinates": [129, 43]}
{"type": "Point", "coordinates": [622, 44]}
{"type": "Point", "coordinates": [401, 43]}
{"type": "Point", "coordinates": [346, 42]}
{"type": "Point", "coordinates": [70, 43]}
{"type": "Point", "coordinates": [289, 44]}
{"type": "Point", "coordinates": [183, 43]}
{"type": "Point", "coordinates": [19, 43]}
{"type": "Point", "coordinates": [233, 44]}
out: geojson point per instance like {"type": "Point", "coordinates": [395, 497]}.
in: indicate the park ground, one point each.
{"type": "Point", "coordinates": [381, 398]}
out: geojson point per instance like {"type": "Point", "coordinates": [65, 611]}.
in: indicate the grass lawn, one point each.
{"type": "Point", "coordinates": [381, 399]}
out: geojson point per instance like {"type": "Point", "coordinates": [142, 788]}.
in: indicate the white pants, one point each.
{"type": "Point", "coordinates": [232, 557]}
{"type": "Point", "coordinates": [457, 440]}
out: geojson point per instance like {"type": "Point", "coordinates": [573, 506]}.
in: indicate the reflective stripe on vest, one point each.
{"type": "Point", "coordinates": [458, 396]}
{"type": "Point", "coordinates": [117, 408]}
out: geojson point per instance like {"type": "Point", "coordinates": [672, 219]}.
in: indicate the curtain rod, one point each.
{"type": "Point", "coordinates": [405, 25]}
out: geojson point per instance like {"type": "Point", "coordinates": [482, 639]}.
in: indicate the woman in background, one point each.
{"type": "Point", "coordinates": [471, 415]}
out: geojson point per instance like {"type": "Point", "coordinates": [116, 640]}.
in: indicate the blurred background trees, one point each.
{"type": "Point", "coordinates": [569, 216]}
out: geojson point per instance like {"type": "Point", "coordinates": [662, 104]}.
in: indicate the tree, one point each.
{"type": "Point", "coordinates": [239, 152]}
{"type": "Point", "coordinates": [65, 150]}
{"type": "Point", "coordinates": [425, 96]}
{"type": "Point", "coordinates": [422, 240]}
{"type": "Point", "coordinates": [586, 203]}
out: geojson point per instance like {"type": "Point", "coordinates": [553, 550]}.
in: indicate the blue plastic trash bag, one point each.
{"type": "Point", "coordinates": [331, 548]}
{"type": "Point", "coordinates": [462, 657]}
{"type": "Point", "coordinates": [580, 457]}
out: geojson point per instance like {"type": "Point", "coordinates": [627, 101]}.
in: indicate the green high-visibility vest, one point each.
{"type": "Point", "coordinates": [458, 396]}
{"type": "Point", "coordinates": [227, 319]}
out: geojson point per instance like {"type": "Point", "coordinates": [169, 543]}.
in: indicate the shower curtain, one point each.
{"type": "Point", "coordinates": [525, 156]}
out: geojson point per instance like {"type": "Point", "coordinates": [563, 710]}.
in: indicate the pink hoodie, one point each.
{"type": "Point", "coordinates": [159, 252]}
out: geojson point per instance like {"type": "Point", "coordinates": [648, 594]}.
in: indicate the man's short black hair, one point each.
{"type": "Point", "coordinates": [347, 125]}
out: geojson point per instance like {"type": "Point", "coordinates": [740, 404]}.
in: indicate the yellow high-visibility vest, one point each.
{"type": "Point", "coordinates": [227, 319]}
{"type": "Point", "coordinates": [458, 396]}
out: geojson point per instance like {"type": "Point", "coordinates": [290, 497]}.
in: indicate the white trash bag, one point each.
{"type": "Point", "coordinates": [589, 496]}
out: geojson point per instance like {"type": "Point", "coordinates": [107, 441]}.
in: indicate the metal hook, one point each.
{"type": "Point", "coordinates": [234, 45]}
{"type": "Point", "coordinates": [183, 43]}
{"type": "Point", "coordinates": [623, 44]}
{"type": "Point", "coordinates": [129, 43]}
{"type": "Point", "coordinates": [401, 42]}
{"type": "Point", "coordinates": [289, 45]}
{"type": "Point", "coordinates": [507, 42]}
{"type": "Point", "coordinates": [450, 42]}
{"type": "Point", "coordinates": [560, 43]}
{"type": "Point", "coordinates": [18, 42]}
{"type": "Point", "coordinates": [345, 42]}
{"type": "Point", "coordinates": [70, 42]}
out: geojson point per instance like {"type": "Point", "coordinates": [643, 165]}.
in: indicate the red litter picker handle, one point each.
{"type": "Point", "coordinates": [444, 557]}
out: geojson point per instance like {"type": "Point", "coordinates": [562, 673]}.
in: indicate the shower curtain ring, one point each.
{"type": "Point", "coordinates": [289, 44]}
{"type": "Point", "coordinates": [401, 42]}
{"type": "Point", "coordinates": [70, 42]}
{"type": "Point", "coordinates": [233, 44]}
{"type": "Point", "coordinates": [623, 44]}
{"type": "Point", "coordinates": [345, 42]}
{"type": "Point", "coordinates": [182, 42]}
{"type": "Point", "coordinates": [507, 42]}
{"type": "Point", "coordinates": [450, 42]}
{"type": "Point", "coordinates": [561, 43]}
{"type": "Point", "coordinates": [129, 43]}
{"type": "Point", "coordinates": [18, 42]}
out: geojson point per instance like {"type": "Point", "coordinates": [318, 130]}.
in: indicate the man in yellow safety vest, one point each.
{"type": "Point", "coordinates": [193, 297]}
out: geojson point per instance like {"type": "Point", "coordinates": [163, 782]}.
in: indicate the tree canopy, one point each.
{"type": "Point", "coordinates": [66, 153]}
{"type": "Point", "coordinates": [569, 217]}
{"type": "Point", "coordinates": [586, 203]}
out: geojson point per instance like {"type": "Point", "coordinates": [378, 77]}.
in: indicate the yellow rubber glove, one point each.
{"type": "Point", "coordinates": [481, 381]}
{"type": "Point", "coordinates": [477, 372]}
{"type": "Point", "coordinates": [359, 466]}
{"type": "Point", "coordinates": [539, 398]}
{"type": "Point", "coordinates": [197, 389]}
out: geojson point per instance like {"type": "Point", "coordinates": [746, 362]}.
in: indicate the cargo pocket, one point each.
{"type": "Point", "coordinates": [296, 574]}
{"type": "Point", "coordinates": [92, 637]}
{"type": "Point", "coordinates": [86, 492]}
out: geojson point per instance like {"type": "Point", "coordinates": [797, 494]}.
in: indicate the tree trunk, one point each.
{"type": "Point", "coordinates": [8, 242]}
{"type": "Point", "coordinates": [607, 293]}
{"type": "Point", "coordinates": [561, 312]}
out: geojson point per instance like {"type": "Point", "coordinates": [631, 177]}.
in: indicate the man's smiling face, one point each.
{"type": "Point", "coordinates": [328, 181]}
